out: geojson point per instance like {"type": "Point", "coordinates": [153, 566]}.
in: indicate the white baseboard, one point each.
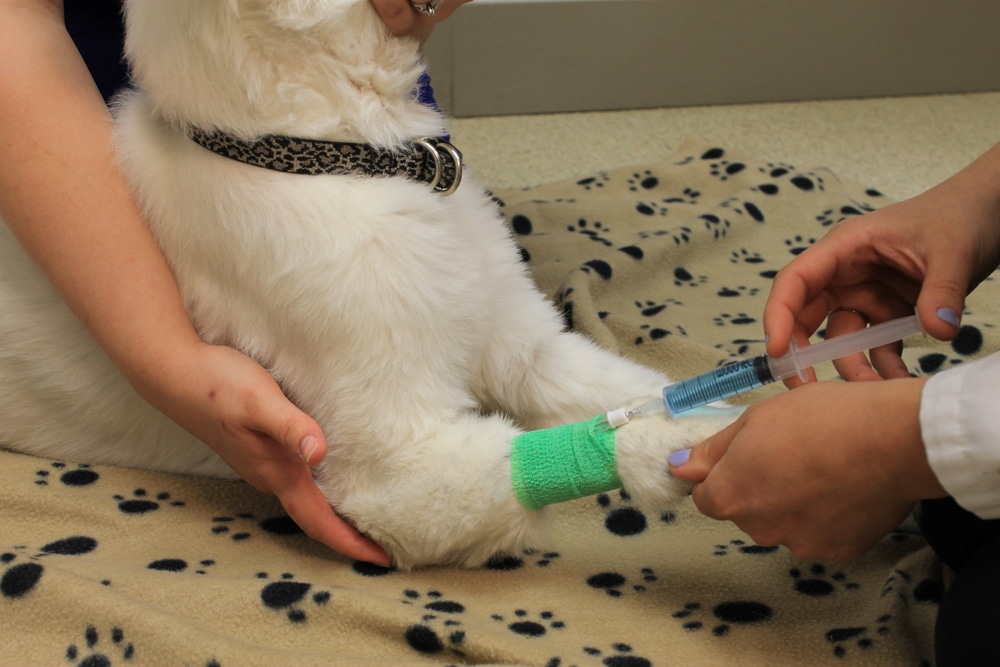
{"type": "Point", "coordinates": [515, 56]}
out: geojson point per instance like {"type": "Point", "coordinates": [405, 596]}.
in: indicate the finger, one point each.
{"type": "Point", "coordinates": [277, 418]}
{"type": "Point", "coordinates": [398, 16]}
{"type": "Point", "coordinates": [888, 362]}
{"type": "Point", "coordinates": [694, 464]}
{"type": "Point", "coordinates": [792, 304]}
{"type": "Point", "coordinates": [942, 298]}
{"type": "Point", "coordinates": [311, 511]}
{"type": "Point", "coordinates": [854, 367]}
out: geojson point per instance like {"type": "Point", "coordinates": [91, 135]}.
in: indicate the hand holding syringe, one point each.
{"type": "Point", "coordinates": [743, 376]}
{"type": "Point", "coordinates": [575, 460]}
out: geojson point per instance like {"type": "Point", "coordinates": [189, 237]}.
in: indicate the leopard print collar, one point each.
{"type": "Point", "coordinates": [432, 161]}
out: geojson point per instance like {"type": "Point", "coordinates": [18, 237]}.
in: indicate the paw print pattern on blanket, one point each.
{"type": "Point", "coordinates": [507, 562]}
{"type": "Point", "coordinates": [616, 584]}
{"type": "Point", "coordinates": [288, 595]}
{"type": "Point", "coordinates": [530, 625]}
{"type": "Point", "coordinates": [818, 583]}
{"type": "Point", "coordinates": [621, 518]}
{"type": "Point", "coordinates": [139, 502]}
{"type": "Point", "coordinates": [78, 475]}
{"type": "Point", "coordinates": [426, 636]}
{"type": "Point", "coordinates": [743, 547]}
{"type": "Point", "coordinates": [861, 637]}
{"type": "Point", "coordinates": [19, 578]}
{"type": "Point", "coordinates": [101, 649]}
{"type": "Point", "coordinates": [240, 526]}
{"type": "Point", "coordinates": [724, 616]}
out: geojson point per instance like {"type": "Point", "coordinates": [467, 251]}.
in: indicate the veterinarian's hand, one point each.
{"type": "Point", "coordinates": [929, 251]}
{"type": "Point", "coordinates": [827, 469]}
{"type": "Point", "coordinates": [233, 404]}
{"type": "Point", "coordinates": [402, 18]}
{"type": "Point", "coordinates": [236, 407]}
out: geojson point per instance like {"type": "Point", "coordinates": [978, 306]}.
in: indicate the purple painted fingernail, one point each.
{"type": "Point", "coordinates": [679, 458]}
{"type": "Point", "coordinates": [948, 315]}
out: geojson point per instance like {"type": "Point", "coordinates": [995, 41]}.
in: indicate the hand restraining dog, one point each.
{"type": "Point", "coordinates": [314, 221]}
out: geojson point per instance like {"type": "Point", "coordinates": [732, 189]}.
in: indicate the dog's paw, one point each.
{"type": "Point", "coordinates": [643, 445]}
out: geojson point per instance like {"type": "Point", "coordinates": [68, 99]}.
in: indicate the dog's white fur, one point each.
{"type": "Point", "coordinates": [402, 321]}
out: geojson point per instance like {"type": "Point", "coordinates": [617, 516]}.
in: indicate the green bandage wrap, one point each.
{"type": "Point", "coordinates": [563, 463]}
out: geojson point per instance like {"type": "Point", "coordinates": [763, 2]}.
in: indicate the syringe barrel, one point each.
{"type": "Point", "coordinates": [723, 382]}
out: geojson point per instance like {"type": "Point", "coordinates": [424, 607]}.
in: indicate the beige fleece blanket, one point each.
{"type": "Point", "coordinates": [669, 263]}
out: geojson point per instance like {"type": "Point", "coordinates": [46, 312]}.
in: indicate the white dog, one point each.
{"type": "Point", "coordinates": [400, 318]}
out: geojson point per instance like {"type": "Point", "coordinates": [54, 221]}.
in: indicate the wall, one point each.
{"type": "Point", "coordinates": [516, 56]}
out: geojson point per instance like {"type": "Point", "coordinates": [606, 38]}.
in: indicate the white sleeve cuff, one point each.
{"type": "Point", "coordinates": [960, 425]}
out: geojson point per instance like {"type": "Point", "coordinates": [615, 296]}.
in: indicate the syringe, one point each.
{"type": "Point", "coordinates": [742, 376]}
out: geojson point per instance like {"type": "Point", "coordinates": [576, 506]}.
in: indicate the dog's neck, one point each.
{"type": "Point", "coordinates": [317, 69]}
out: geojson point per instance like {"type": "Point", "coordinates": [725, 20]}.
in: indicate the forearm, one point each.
{"type": "Point", "coordinates": [68, 204]}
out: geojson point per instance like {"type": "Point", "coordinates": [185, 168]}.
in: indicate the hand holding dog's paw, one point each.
{"type": "Point", "coordinates": [644, 446]}
{"type": "Point", "coordinates": [238, 409]}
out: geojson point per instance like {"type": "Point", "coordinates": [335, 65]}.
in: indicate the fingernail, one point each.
{"type": "Point", "coordinates": [948, 315]}
{"type": "Point", "coordinates": [679, 458]}
{"type": "Point", "coordinates": [308, 447]}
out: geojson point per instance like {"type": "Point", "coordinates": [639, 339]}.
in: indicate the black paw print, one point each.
{"type": "Point", "coordinates": [818, 583]}
{"type": "Point", "coordinates": [436, 603]}
{"type": "Point", "coordinates": [507, 562]}
{"type": "Point", "coordinates": [776, 169]}
{"type": "Point", "coordinates": [594, 182]}
{"type": "Point", "coordinates": [739, 319]}
{"type": "Point", "coordinates": [743, 548]}
{"type": "Point", "coordinates": [738, 291]}
{"type": "Point", "coordinates": [769, 189]}
{"type": "Point", "coordinates": [680, 235]}
{"type": "Point", "coordinates": [233, 526]}
{"type": "Point", "coordinates": [727, 614]}
{"type": "Point", "coordinates": [745, 256]}
{"type": "Point", "coordinates": [741, 346]}
{"type": "Point", "coordinates": [927, 591]}
{"type": "Point", "coordinates": [422, 636]}
{"type": "Point", "coordinates": [808, 182]}
{"type": "Point", "coordinates": [798, 245]}
{"type": "Point", "coordinates": [860, 637]}
{"type": "Point", "coordinates": [20, 578]}
{"type": "Point", "coordinates": [371, 570]}
{"type": "Point", "coordinates": [654, 333]}
{"type": "Point", "coordinates": [179, 565]}
{"type": "Point", "coordinates": [719, 227]}
{"type": "Point", "coordinates": [723, 169]}
{"type": "Point", "coordinates": [683, 277]}
{"type": "Point", "coordinates": [651, 208]}
{"type": "Point", "coordinates": [620, 656]}
{"type": "Point", "coordinates": [94, 654]}
{"type": "Point", "coordinates": [526, 625]}
{"type": "Point", "coordinates": [591, 230]}
{"type": "Point", "coordinates": [80, 475]}
{"type": "Point", "coordinates": [141, 503]}
{"type": "Point", "coordinates": [645, 181]}
{"type": "Point", "coordinates": [615, 584]}
{"type": "Point", "coordinates": [287, 594]}
{"type": "Point", "coordinates": [653, 308]}
{"type": "Point", "coordinates": [621, 521]}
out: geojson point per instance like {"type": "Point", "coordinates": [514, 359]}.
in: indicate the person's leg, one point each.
{"type": "Point", "coordinates": [968, 625]}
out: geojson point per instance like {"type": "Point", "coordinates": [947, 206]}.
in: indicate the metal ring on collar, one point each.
{"type": "Point", "coordinates": [456, 158]}
{"type": "Point", "coordinates": [867, 320]}
{"type": "Point", "coordinates": [434, 147]}
{"type": "Point", "coordinates": [429, 147]}
{"type": "Point", "coordinates": [427, 8]}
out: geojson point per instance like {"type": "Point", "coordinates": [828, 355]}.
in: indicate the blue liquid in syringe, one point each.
{"type": "Point", "coordinates": [723, 382]}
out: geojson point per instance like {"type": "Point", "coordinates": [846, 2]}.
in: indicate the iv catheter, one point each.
{"type": "Point", "coordinates": [743, 376]}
